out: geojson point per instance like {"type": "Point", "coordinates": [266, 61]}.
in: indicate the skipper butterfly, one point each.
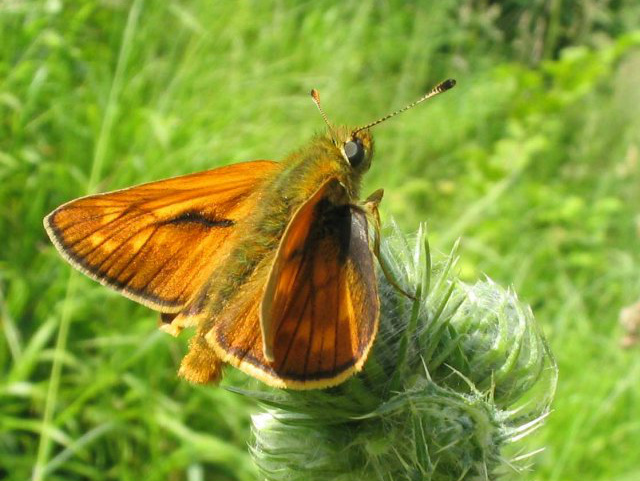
{"type": "Point", "coordinates": [271, 262]}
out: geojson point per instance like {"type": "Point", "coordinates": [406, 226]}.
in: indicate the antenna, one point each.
{"type": "Point", "coordinates": [315, 95]}
{"type": "Point", "coordinates": [438, 89]}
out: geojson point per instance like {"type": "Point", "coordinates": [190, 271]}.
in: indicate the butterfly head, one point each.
{"type": "Point", "coordinates": [355, 145]}
{"type": "Point", "coordinates": [356, 148]}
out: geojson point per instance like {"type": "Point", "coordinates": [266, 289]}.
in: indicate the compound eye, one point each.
{"type": "Point", "coordinates": [354, 150]}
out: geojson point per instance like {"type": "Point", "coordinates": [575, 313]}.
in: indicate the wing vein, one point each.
{"type": "Point", "coordinates": [142, 247]}
{"type": "Point", "coordinates": [295, 332]}
{"type": "Point", "coordinates": [290, 299]}
{"type": "Point", "coordinates": [337, 328]}
{"type": "Point", "coordinates": [118, 230]}
{"type": "Point", "coordinates": [97, 267]}
{"type": "Point", "coordinates": [158, 271]}
{"type": "Point", "coordinates": [310, 342]}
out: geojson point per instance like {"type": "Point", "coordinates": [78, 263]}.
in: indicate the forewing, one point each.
{"type": "Point", "coordinates": [319, 310]}
{"type": "Point", "coordinates": [158, 242]}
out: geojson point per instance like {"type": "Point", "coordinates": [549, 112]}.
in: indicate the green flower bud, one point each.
{"type": "Point", "coordinates": [457, 372]}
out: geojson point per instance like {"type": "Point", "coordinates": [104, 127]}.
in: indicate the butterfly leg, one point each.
{"type": "Point", "coordinates": [201, 365]}
{"type": "Point", "coordinates": [370, 206]}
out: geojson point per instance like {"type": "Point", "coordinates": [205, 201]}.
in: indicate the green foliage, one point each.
{"type": "Point", "coordinates": [532, 159]}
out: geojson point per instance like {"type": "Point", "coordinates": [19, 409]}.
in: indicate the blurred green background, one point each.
{"type": "Point", "coordinates": [533, 159]}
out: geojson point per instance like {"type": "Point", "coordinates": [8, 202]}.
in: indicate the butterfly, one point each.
{"type": "Point", "coordinates": [272, 263]}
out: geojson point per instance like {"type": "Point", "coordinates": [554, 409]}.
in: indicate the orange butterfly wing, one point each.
{"type": "Point", "coordinates": [157, 243]}
{"type": "Point", "coordinates": [317, 317]}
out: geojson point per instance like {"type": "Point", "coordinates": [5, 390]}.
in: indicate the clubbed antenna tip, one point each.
{"type": "Point", "coordinates": [315, 95]}
{"type": "Point", "coordinates": [438, 89]}
{"type": "Point", "coordinates": [446, 85]}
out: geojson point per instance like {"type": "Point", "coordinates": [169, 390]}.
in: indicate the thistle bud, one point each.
{"type": "Point", "coordinates": [457, 372]}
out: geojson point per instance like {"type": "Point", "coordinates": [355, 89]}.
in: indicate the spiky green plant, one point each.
{"type": "Point", "coordinates": [455, 376]}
